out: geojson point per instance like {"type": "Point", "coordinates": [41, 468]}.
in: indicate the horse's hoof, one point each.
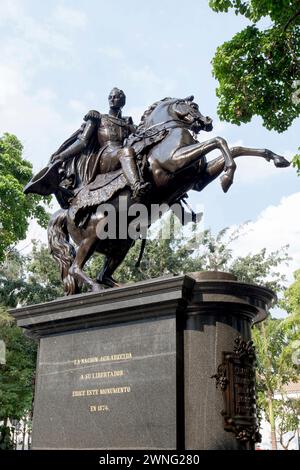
{"type": "Point", "coordinates": [226, 182]}
{"type": "Point", "coordinates": [106, 282]}
{"type": "Point", "coordinates": [97, 287]}
{"type": "Point", "coordinates": [281, 162]}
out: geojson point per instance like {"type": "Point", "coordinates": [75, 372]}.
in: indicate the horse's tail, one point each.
{"type": "Point", "coordinates": [62, 250]}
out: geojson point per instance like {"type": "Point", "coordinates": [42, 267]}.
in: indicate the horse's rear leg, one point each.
{"type": "Point", "coordinates": [111, 263]}
{"type": "Point", "coordinates": [212, 170]}
{"type": "Point", "coordinates": [84, 252]}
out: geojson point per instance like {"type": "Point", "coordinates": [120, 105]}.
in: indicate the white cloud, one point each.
{"type": "Point", "coordinates": [111, 52]}
{"type": "Point", "coordinates": [31, 116]}
{"type": "Point", "coordinates": [78, 106]}
{"type": "Point", "coordinates": [32, 47]}
{"type": "Point", "coordinates": [275, 227]}
{"type": "Point", "coordinates": [70, 17]}
{"type": "Point", "coordinates": [37, 44]}
{"type": "Point", "coordinates": [149, 80]}
{"type": "Point", "coordinates": [10, 9]}
{"type": "Point", "coordinates": [11, 84]}
{"type": "Point", "coordinates": [136, 113]}
{"type": "Point", "coordinates": [28, 36]}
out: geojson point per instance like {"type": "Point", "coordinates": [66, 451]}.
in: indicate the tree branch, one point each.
{"type": "Point", "coordinates": [295, 15]}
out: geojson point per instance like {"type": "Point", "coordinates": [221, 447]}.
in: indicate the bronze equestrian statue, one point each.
{"type": "Point", "coordinates": [108, 157]}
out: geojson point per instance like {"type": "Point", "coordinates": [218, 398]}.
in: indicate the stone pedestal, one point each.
{"type": "Point", "coordinates": [142, 366]}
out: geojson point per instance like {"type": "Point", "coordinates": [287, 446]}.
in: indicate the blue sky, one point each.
{"type": "Point", "coordinates": [61, 58]}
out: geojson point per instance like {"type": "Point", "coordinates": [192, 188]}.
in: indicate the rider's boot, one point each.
{"type": "Point", "coordinates": [139, 188]}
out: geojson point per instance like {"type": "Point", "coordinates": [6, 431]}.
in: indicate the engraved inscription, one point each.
{"type": "Point", "coordinates": [99, 408]}
{"type": "Point", "coordinates": [244, 390]}
{"type": "Point", "coordinates": [101, 375]}
{"type": "Point", "coordinates": [108, 358]}
{"type": "Point", "coordinates": [100, 391]}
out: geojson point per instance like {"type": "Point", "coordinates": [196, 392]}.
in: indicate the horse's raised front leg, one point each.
{"type": "Point", "coordinates": [278, 160]}
{"type": "Point", "coordinates": [215, 167]}
{"type": "Point", "coordinates": [186, 155]}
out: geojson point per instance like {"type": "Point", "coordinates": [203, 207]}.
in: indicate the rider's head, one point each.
{"type": "Point", "coordinates": [116, 98]}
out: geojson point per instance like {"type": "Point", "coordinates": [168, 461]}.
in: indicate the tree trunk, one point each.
{"type": "Point", "coordinates": [272, 421]}
{"type": "Point", "coordinates": [286, 446]}
{"type": "Point", "coordinates": [24, 435]}
{"type": "Point", "coordinates": [3, 430]}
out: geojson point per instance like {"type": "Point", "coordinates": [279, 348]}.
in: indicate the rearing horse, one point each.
{"type": "Point", "coordinates": [176, 164]}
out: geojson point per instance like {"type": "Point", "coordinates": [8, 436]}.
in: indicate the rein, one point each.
{"type": "Point", "coordinates": [141, 132]}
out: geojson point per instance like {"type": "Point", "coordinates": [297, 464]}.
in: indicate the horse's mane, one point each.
{"type": "Point", "coordinates": [149, 110]}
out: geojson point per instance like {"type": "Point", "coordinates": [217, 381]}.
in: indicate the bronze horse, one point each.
{"type": "Point", "coordinates": [175, 164]}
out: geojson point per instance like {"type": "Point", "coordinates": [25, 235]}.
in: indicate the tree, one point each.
{"type": "Point", "coordinates": [277, 343]}
{"type": "Point", "coordinates": [296, 162]}
{"type": "Point", "coordinates": [258, 69]}
{"type": "Point", "coordinates": [25, 280]}
{"type": "Point", "coordinates": [274, 340]}
{"type": "Point", "coordinates": [287, 412]}
{"type": "Point", "coordinates": [12, 278]}
{"type": "Point", "coordinates": [291, 300]}
{"type": "Point", "coordinates": [29, 279]}
{"type": "Point", "coordinates": [16, 376]}
{"type": "Point", "coordinates": [16, 209]}
{"type": "Point", "coordinates": [43, 276]}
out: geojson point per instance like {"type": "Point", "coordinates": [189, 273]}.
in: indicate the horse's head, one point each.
{"type": "Point", "coordinates": [187, 111]}
{"type": "Point", "coordinates": [184, 110]}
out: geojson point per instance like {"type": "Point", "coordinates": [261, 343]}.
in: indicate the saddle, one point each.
{"type": "Point", "coordinates": [99, 191]}
{"type": "Point", "coordinates": [105, 185]}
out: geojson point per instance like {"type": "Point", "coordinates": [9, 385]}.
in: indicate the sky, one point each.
{"type": "Point", "coordinates": [61, 58]}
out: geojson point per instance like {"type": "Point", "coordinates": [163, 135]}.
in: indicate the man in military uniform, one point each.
{"type": "Point", "coordinates": [98, 147]}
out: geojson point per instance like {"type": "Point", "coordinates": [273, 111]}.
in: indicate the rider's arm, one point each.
{"type": "Point", "coordinates": [131, 126]}
{"type": "Point", "coordinates": [92, 119]}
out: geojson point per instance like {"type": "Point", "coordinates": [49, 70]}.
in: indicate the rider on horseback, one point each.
{"type": "Point", "coordinates": [97, 147]}
{"type": "Point", "coordinates": [109, 131]}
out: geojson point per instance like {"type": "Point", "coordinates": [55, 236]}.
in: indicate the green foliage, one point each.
{"type": "Point", "coordinates": [258, 69]}
{"type": "Point", "coordinates": [44, 282]}
{"type": "Point", "coordinates": [26, 280]}
{"type": "Point", "coordinates": [291, 301]}
{"type": "Point", "coordinates": [275, 342]}
{"type": "Point", "coordinates": [296, 162]}
{"type": "Point", "coordinates": [280, 11]}
{"type": "Point", "coordinates": [260, 268]}
{"type": "Point", "coordinates": [17, 373]}
{"type": "Point", "coordinates": [274, 345]}
{"type": "Point", "coordinates": [29, 279]}
{"type": "Point", "coordinates": [16, 209]}
{"type": "Point", "coordinates": [12, 278]}
{"type": "Point", "coordinates": [287, 412]}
